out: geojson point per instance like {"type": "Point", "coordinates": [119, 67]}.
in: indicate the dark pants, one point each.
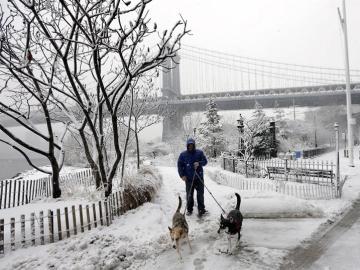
{"type": "Point", "coordinates": [198, 185]}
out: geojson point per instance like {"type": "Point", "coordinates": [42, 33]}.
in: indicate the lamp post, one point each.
{"type": "Point", "coordinates": [350, 120]}
{"type": "Point", "coordinates": [240, 127]}
{"type": "Point", "coordinates": [345, 144]}
{"type": "Point", "coordinates": [336, 127]}
{"type": "Point", "coordinates": [315, 135]}
{"type": "Point", "coordinates": [272, 129]}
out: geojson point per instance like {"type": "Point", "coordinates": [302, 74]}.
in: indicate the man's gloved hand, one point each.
{"type": "Point", "coordinates": [183, 178]}
{"type": "Point", "coordinates": [196, 165]}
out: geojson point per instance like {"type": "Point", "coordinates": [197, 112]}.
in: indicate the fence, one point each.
{"type": "Point", "coordinates": [14, 192]}
{"type": "Point", "coordinates": [38, 229]}
{"type": "Point", "coordinates": [309, 153]}
{"type": "Point", "coordinates": [82, 177]}
{"type": "Point", "coordinates": [307, 191]}
{"type": "Point", "coordinates": [302, 171]}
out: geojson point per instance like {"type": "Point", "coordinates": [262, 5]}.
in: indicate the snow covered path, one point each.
{"type": "Point", "coordinates": [263, 242]}
{"type": "Point", "coordinates": [338, 248]}
{"type": "Point", "coordinates": [344, 253]}
{"type": "Point", "coordinates": [140, 238]}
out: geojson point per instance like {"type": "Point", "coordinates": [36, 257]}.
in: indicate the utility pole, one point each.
{"type": "Point", "coordinates": [336, 127]}
{"type": "Point", "coordinates": [348, 89]}
{"type": "Point", "coordinates": [315, 135]}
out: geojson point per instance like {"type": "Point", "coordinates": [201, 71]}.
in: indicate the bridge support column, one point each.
{"type": "Point", "coordinates": [173, 123]}
{"type": "Point", "coordinates": [171, 78]}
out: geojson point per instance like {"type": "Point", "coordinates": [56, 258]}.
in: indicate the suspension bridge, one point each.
{"type": "Point", "coordinates": [237, 82]}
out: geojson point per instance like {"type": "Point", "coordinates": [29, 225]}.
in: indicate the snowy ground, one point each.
{"type": "Point", "coordinates": [344, 253]}
{"type": "Point", "coordinates": [140, 239]}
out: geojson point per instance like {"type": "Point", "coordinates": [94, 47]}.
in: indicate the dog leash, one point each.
{"type": "Point", "coordinates": [202, 181]}
{"type": "Point", "coordinates": [188, 196]}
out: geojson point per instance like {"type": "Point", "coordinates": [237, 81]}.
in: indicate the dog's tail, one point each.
{"type": "Point", "coordinates": [179, 207]}
{"type": "Point", "coordinates": [238, 201]}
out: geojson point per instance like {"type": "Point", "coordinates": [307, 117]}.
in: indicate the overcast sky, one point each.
{"type": "Point", "coordinates": [293, 31]}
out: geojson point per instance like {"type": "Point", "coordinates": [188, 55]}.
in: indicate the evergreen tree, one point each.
{"type": "Point", "coordinates": [210, 137]}
{"type": "Point", "coordinates": [260, 139]}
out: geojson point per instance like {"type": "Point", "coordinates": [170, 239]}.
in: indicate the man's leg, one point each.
{"type": "Point", "coordinates": [200, 195]}
{"type": "Point", "coordinates": [189, 196]}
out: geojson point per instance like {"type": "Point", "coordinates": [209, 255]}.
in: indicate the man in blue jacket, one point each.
{"type": "Point", "coordinates": [190, 160]}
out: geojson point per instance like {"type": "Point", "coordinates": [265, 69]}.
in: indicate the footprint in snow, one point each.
{"type": "Point", "coordinates": [199, 263]}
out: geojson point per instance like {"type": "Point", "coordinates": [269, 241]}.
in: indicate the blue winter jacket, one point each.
{"type": "Point", "coordinates": [188, 158]}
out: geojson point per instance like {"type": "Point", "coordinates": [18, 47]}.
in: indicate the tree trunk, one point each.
{"type": "Point", "coordinates": [137, 145]}
{"type": "Point", "coordinates": [96, 175]}
{"type": "Point", "coordinates": [55, 178]}
{"type": "Point", "coordinates": [127, 135]}
{"type": "Point", "coordinates": [125, 149]}
{"type": "Point", "coordinates": [93, 166]}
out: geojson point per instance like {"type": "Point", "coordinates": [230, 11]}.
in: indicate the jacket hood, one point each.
{"type": "Point", "coordinates": [190, 141]}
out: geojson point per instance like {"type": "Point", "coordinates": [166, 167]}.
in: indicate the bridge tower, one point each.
{"type": "Point", "coordinates": [172, 123]}
{"type": "Point", "coordinates": [171, 78]}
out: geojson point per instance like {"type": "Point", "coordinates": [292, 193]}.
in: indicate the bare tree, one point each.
{"type": "Point", "coordinates": [145, 107]}
{"type": "Point", "coordinates": [23, 98]}
{"type": "Point", "coordinates": [92, 50]}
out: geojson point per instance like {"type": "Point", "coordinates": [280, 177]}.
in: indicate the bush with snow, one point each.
{"type": "Point", "coordinates": [139, 186]}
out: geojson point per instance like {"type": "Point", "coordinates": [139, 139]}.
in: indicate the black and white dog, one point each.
{"type": "Point", "coordinates": [233, 221]}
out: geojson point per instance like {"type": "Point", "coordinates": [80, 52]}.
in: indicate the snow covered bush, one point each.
{"type": "Point", "coordinates": [76, 191]}
{"type": "Point", "coordinates": [140, 186]}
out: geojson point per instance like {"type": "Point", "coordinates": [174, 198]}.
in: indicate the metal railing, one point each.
{"type": "Point", "coordinates": [302, 171]}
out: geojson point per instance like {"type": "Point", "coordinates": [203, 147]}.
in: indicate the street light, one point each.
{"type": "Point", "coordinates": [350, 120]}
{"type": "Point", "coordinates": [272, 129]}
{"type": "Point", "coordinates": [240, 127]}
{"type": "Point", "coordinates": [346, 154]}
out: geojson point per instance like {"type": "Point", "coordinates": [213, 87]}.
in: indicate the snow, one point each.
{"type": "Point", "coordinates": [343, 254]}
{"type": "Point", "coordinates": [139, 239]}
{"type": "Point", "coordinates": [273, 225]}
{"type": "Point", "coordinates": [34, 174]}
